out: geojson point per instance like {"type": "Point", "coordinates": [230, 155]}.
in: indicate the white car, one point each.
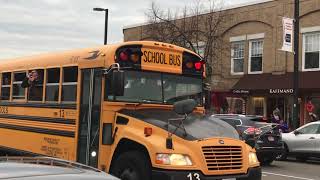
{"type": "Point", "coordinates": [46, 168]}
{"type": "Point", "coordinates": [303, 142]}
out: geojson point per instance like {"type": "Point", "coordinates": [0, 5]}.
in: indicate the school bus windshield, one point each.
{"type": "Point", "coordinates": [159, 88]}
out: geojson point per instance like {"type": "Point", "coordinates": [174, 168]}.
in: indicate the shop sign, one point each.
{"type": "Point", "coordinates": [281, 91]}
{"type": "Point", "coordinates": [240, 91]}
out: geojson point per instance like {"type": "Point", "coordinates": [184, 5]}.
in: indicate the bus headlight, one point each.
{"type": "Point", "coordinates": [173, 159]}
{"type": "Point", "coordinates": [253, 160]}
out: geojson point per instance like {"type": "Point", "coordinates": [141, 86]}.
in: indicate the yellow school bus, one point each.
{"type": "Point", "coordinates": [116, 107]}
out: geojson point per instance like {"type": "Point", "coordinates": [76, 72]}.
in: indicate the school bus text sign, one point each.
{"type": "Point", "coordinates": [161, 60]}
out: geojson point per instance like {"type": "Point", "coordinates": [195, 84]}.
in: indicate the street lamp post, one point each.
{"type": "Point", "coordinates": [105, 23]}
{"type": "Point", "coordinates": [296, 65]}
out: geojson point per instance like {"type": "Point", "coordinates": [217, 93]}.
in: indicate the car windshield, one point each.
{"type": "Point", "coordinates": [153, 87]}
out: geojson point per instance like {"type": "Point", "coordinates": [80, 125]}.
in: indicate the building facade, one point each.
{"type": "Point", "coordinates": [254, 76]}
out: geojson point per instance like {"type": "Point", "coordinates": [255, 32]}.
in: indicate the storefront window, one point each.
{"type": "Point", "coordinates": [236, 105]}
{"type": "Point", "coordinates": [312, 113]}
{"type": "Point", "coordinates": [258, 105]}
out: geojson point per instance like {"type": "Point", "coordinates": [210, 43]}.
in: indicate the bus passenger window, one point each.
{"type": "Point", "coordinates": [6, 84]}
{"type": "Point", "coordinates": [52, 85]}
{"type": "Point", "coordinates": [18, 92]}
{"type": "Point", "coordinates": [69, 84]}
{"type": "Point", "coordinates": [35, 91]}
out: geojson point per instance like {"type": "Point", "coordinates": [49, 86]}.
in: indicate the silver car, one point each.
{"type": "Point", "coordinates": [43, 168]}
{"type": "Point", "coordinates": [303, 142]}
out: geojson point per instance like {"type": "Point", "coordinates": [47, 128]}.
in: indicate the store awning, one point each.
{"type": "Point", "coordinates": [308, 81]}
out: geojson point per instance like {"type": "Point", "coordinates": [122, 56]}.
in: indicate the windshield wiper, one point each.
{"type": "Point", "coordinates": [178, 98]}
{"type": "Point", "coordinates": [179, 126]}
{"type": "Point", "coordinates": [142, 101]}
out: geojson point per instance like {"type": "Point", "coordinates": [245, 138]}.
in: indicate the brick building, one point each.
{"type": "Point", "coordinates": [255, 76]}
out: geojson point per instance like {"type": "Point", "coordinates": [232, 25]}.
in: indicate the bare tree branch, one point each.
{"type": "Point", "coordinates": [196, 28]}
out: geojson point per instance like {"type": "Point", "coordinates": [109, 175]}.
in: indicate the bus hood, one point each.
{"type": "Point", "coordinates": [197, 126]}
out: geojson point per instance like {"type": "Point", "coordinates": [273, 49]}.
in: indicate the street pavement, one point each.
{"type": "Point", "coordinates": [292, 169]}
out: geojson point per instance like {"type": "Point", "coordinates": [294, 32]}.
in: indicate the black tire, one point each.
{"type": "Point", "coordinates": [267, 161]}
{"type": "Point", "coordinates": [283, 156]}
{"type": "Point", "coordinates": [131, 165]}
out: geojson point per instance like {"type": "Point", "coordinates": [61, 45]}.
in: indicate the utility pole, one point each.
{"type": "Point", "coordinates": [296, 108]}
{"type": "Point", "coordinates": [105, 23]}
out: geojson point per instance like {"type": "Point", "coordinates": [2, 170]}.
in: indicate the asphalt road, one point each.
{"type": "Point", "coordinates": [293, 170]}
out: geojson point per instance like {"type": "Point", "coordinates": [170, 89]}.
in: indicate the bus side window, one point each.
{"type": "Point", "coordinates": [6, 85]}
{"type": "Point", "coordinates": [52, 84]}
{"type": "Point", "coordinates": [35, 92]}
{"type": "Point", "coordinates": [69, 84]}
{"type": "Point", "coordinates": [18, 92]}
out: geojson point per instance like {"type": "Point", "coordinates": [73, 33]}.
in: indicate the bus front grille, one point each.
{"type": "Point", "coordinates": [220, 158]}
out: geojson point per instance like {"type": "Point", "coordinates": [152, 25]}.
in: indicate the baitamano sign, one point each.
{"type": "Point", "coordinates": [281, 91]}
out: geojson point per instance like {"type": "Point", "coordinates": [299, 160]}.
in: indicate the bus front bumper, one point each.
{"type": "Point", "coordinates": [160, 174]}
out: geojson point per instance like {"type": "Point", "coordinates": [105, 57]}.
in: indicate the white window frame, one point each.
{"type": "Point", "coordinates": [232, 59]}
{"type": "Point", "coordinates": [304, 51]}
{"type": "Point", "coordinates": [249, 61]}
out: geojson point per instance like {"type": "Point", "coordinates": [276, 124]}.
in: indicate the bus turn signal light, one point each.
{"type": "Point", "coordinates": [189, 64]}
{"type": "Point", "coordinates": [147, 131]}
{"type": "Point", "coordinates": [135, 57]}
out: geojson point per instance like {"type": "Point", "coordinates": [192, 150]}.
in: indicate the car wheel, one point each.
{"type": "Point", "coordinates": [267, 161]}
{"type": "Point", "coordinates": [132, 165]}
{"type": "Point", "coordinates": [283, 156]}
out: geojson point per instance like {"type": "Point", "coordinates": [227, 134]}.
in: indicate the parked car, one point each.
{"type": "Point", "coordinates": [264, 137]}
{"type": "Point", "coordinates": [303, 142]}
{"type": "Point", "coordinates": [45, 168]}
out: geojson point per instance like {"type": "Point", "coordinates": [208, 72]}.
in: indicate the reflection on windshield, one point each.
{"type": "Point", "coordinates": [151, 87]}
{"type": "Point", "coordinates": [202, 127]}
{"type": "Point", "coordinates": [178, 88]}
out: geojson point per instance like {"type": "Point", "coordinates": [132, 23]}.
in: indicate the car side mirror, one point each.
{"type": "Point", "coordinates": [116, 79]}
{"type": "Point", "coordinates": [296, 132]}
{"type": "Point", "coordinates": [185, 106]}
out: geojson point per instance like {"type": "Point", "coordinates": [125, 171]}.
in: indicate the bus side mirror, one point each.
{"type": "Point", "coordinates": [117, 83]}
{"type": "Point", "coordinates": [185, 106]}
{"type": "Point", "coordinates": [296, 132]}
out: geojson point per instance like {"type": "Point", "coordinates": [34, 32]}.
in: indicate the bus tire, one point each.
{"type": "Point", "coordinates": [131, 165]}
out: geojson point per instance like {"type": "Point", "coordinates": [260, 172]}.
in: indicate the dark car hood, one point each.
{"type": "Point", "coordinates": [197, 125]}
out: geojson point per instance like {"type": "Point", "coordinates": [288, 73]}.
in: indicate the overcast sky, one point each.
{"type": "Point", "coordinates": [30, 27]}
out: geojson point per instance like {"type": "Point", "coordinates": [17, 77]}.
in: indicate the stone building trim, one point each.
{"type": "Point", "coordinates": [238, 38]}
{"type": "Point", "coordinates": [243, 22]}
{"type": "Point", "coordinates": [255, 36]}
{"type": "Point", "coordinates": [310, 29]}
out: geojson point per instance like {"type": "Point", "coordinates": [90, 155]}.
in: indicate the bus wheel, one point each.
{"type": "Point", "coordinates": [131, 165]}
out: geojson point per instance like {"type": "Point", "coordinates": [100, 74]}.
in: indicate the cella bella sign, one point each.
{"type": "Point", "coordinates": [281, 91]}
